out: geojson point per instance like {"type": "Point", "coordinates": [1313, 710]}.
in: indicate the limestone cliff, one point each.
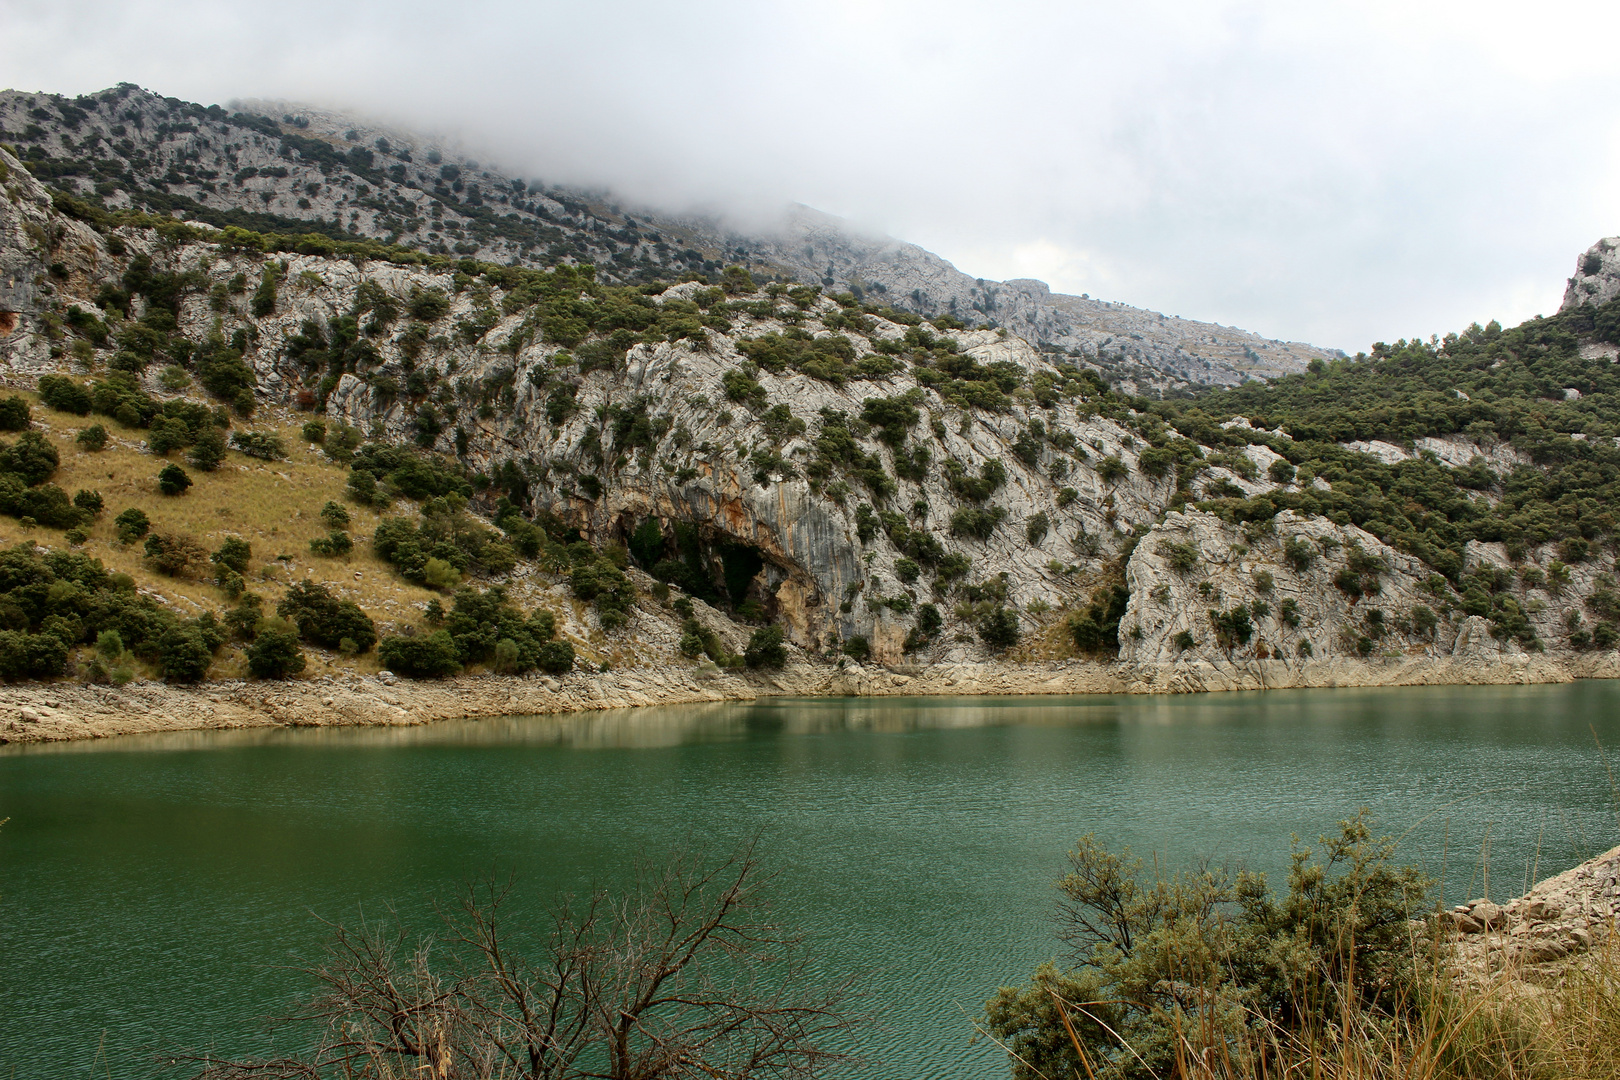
{"type": "Point", "coordinates": [901, 469]}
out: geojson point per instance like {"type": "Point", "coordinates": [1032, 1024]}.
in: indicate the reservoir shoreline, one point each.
{"type": "Point", "coordinates": [57, 712]}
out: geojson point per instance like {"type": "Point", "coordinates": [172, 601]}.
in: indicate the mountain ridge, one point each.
{"type": "Point", "coordinates": [287, 168]}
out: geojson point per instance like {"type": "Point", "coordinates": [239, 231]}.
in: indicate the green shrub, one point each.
{"type": "Point", "coordinates": [313, 431]}
{"type": "Point", "coordinates": [765, 648]}
{"type": "Point", "coordinates": [264, 297]}
{"type": "Point", "coordinates": [334, 516]}
{"type": "Point", "coordinates": [555, 657]}
{"type": "Point", "coordinates": [175, 554]}
{"type": "Point", "coordinates": [90, 502]}
{"type": "Point", "coordinates": [1232, 628]}
{"type": "Point", "coordinates": [64, 395]}
{"type": "Point", "coordinates": [32, 459]}
{"type": "Point", "coordinates": [208, 451]}
{"type": "Point", "coordinates": [431, 656]}
{"type": "Point", "coordinates": [1036, 528]}
{"type": "Point", "coordinates": [978, 522]}
{"type": "Point", "coordinates": [858, 648]}
{"type": "Point", "coordinates": [234, 553]}
{"type": "Point", "coordinates": [275, 654]}
{"type": "Point", "coordinates": [998, 628]}
{"type": "Point", "coordinates": [264, 445]}
{"type": "Point", "coordinates": [1300, 553]}
{"type": "Point", "coordinates": [334, 544]}
{"type": "Point", "coordinates": [173, 480]}
{"type": "Point", "coordinates": [1195, 964]}
{"type": "Point", "coordinates": [15, 413]}
{"type": "Point", "coordinates": [323, 619]}
{"type": "Point", "coordinates": [93, 437]}
{"type": "Point", "coordinates": [186, 651]}
{"type": "Point", "coordinates": [131, 525]}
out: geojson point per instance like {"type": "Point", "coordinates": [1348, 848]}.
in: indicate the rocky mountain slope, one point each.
{"type": "Point", "coordinates": [876, 486]}
{"type": "Point", "coordinates": [295, 169]}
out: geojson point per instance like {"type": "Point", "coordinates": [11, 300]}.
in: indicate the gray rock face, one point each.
{"type": "Point", "coordinates": [1313, 604]}
{"type": "Point", "coordinates": [1597, 275]}
{"type": "Point", "coordinates": [1072, 498]}
{"type": "Point", "coordinates": [819, 247]}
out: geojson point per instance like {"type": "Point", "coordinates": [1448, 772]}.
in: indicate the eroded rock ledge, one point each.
{"type": "Point", "coordinates": [58, 712]}
{"type": "Point", "coordinates": [1533, 938]}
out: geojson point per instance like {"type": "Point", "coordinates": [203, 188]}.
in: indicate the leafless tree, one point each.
{"type": "Point", "coordinates": [682, 976]}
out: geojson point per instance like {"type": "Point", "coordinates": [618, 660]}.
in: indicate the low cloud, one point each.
{"type": "Point", "coordinates": [1335, 176]}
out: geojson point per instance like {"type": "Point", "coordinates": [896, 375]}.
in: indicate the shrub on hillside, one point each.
{"type": "Point", "coordinates": [173, 480]}
{"type": "Point", "coordinates": [64, 395]}
{"type": "Point", "coordinates": [323, 619]}
{"type": "Point", "coordinates": [275, 654]}
{"type": "Point", "coordinates": [430, 656]}
{"type": "Point", "coordinates": [765, 648]}
{"type": "Point", "coordinates": [14, 414]}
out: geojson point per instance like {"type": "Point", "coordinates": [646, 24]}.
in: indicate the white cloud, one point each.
{"type": "Point", "coordinates": [1336, 174]}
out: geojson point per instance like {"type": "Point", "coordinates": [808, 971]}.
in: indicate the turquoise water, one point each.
{"type": "Point", "coordinates": [154, 889]}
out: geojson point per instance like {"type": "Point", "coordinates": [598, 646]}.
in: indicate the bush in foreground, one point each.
{"type": "Point", "coordinates": [684, 975]}
{"type": "Point", "coordinates": [1159, 971]}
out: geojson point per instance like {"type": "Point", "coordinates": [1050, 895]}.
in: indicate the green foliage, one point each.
{"type": "Point", "coordinates": [264, 445]}
{"type": "Point", "coordinates": [234, 553]}
{"type": "Point", "coordinates": [131, 525]}
{"type": "Point", "coordinates": [742, 387]}
{"type": "Point", "coordinates": [1096, 629]}
{"type": "Point", "coordinates": [893, 417]}
{"type": "Point", "coordinates": [208, 451]}
{"type": "Point", "coordinates": [556, 657]}
{"type": "Point", "coordinates": [275, 654]}
{"type": "Point", "coordinates": [1147, 955]}
{"type": "Point", "coordinates": [977, 522]}
{"type": "Point", "coordinates": [964, 485]}
{"type": "Point", "coordinates": [837, 451]}
{"type": "Point", "coordinates": [927, 627]}
{"type": "Point", "coordinates": [830, 358]}
{"type": "Point", "coordinates": [858, 648]}
{"type": "Point", "coordinates": [428, 656]}
{"type": "Point", "coordinates": [325, 620]}
{"type": "Point", "coordinates": [998, 628]}
{"type": "Point", "coordinates": [173, 480]}
{"type": "Point", "coordinates": [1036, 526]}
{"type": "Point", "coordinates": [1181, 557]}
{"type": "Point", "coordinates": [62, 394]}
{"type": "Point", "coordinates": [334, 544]}
{"type": "Point", "coordinates": [765, 648]}
{"type": "Point", "coordinates": [406, 473]}
{"type": "Point", "coordinates": [92, 438]}
{"type": "Point", "coordinates": [31, 459]}
{"type": "Point", "coordinates": [1232, 628]}
{"type": "Point", "coordinates": [334, 516]}
{"type": "Point", "coordinates": [1112, 469]}
{"type": "Point", "coordinates": [264, 297]}
{"type": "Point", "coordinates": [597, 579]}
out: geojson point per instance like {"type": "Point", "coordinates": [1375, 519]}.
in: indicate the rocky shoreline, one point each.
{"type": "Point", "coordinates": [55, 712]}
{"type": "Point", "coordinates": [1533, 938]}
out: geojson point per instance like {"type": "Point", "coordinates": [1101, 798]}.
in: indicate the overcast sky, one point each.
{"type": "Point", "coordinates": [1337, 174]}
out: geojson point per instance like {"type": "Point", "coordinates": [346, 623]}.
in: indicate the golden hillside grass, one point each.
{"type": "Point", "coordinates": [274, 505]}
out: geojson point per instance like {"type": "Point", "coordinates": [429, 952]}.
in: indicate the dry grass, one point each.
{"type": "Point", "coordinates": [275, 506]}
{"type": "Point", "coordinates": [1509, 1029]}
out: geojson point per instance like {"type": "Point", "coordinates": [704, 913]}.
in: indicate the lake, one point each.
{"type": "Point", "coordinates": [155, 889]}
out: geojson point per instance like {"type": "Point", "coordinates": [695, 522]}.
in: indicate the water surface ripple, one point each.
{"type": "Point", "coordinates": [154, 889]}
